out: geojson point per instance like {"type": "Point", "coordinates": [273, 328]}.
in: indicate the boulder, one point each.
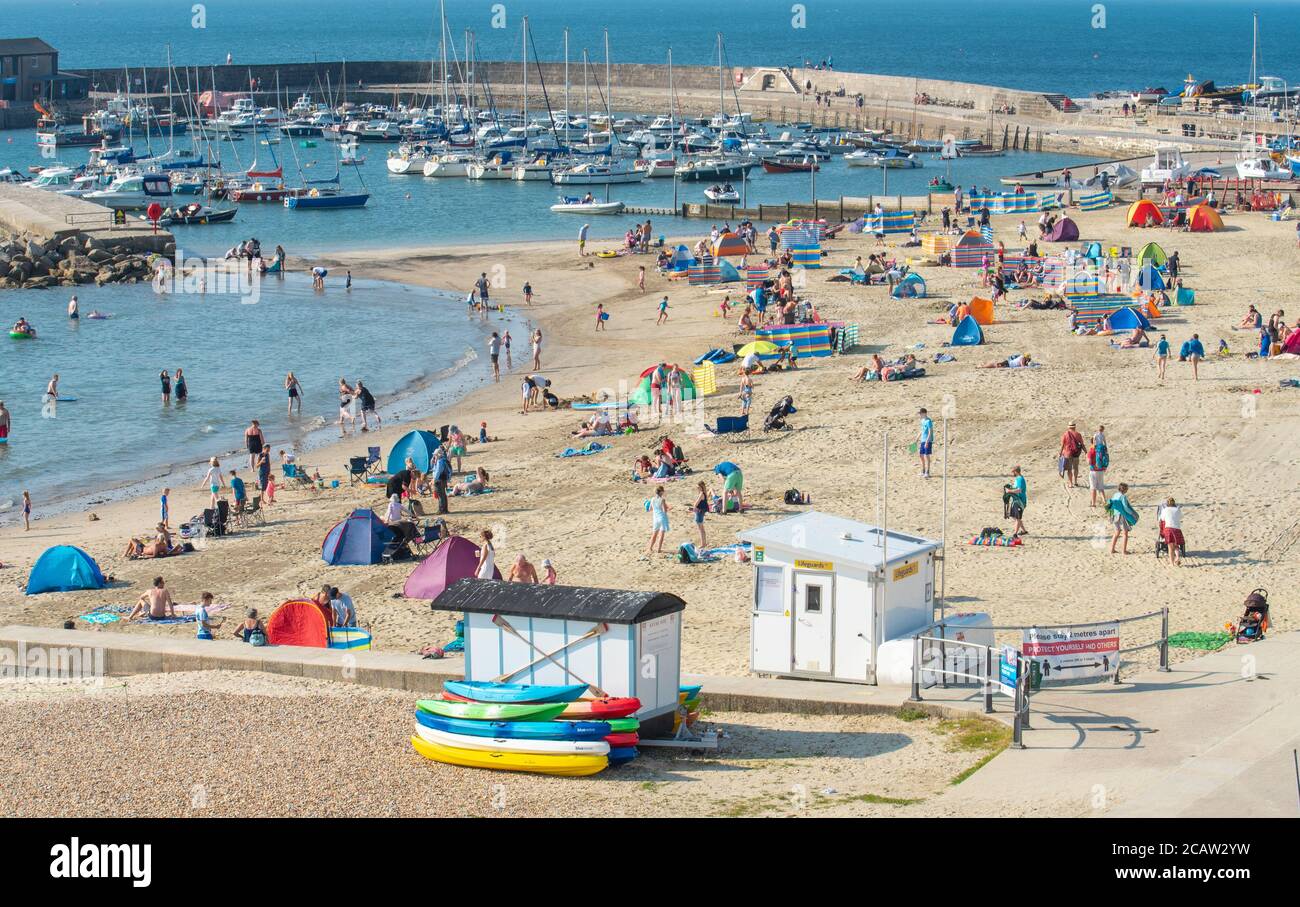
{"type": "Point", "coordinates": [35, 249]}
{"type": "Point", "coordinates": [97, 255]}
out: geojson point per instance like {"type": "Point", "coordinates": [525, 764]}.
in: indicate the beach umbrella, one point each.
{"type": "Point", "coordinates": [761, 347]}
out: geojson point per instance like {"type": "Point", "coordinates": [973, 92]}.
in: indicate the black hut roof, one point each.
{"type": "Point", "coordinates": [616, 606]}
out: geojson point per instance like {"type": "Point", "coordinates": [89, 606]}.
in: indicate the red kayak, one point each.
{"type": "Point", "coordinates": [628, 738]}
{"type": "Point", "coordinates": [596, 709]}
{"type": "Point", "coordinates": [451, 697]}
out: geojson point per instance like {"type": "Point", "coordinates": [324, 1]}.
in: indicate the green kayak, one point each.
{"type": "Point", "coordinates": [622, 725]}
{"type": "Point", "coordinates": [493, 711]}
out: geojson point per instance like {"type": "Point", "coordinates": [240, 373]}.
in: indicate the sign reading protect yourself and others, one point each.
{"type": "Point", "coordinates": [1066, 654]}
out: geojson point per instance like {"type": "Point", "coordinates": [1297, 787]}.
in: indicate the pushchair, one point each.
{"type": "Point", "coordinates": [1162, 546]}
{"type": "Point", "coordinates": [775, 420]}
{"type": "Point", "coordinates": [1254, 622]}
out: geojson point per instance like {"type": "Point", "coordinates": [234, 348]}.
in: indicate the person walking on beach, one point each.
{"type": "Point", "coordinates": [746, 392]}
{"type": "Point", "coordinates": [295, 392]}
{"type": "Point", "coordinates": [1193, 351]}
{"type": "Point", "coordinates": [925, 442]}
{"type": "Point", "coordinates": [346, 395]}
{"type": "Point", "coordinates": [528, 293]}
{"type": "Point", "coordinates": [1122, 515]}
{"type": "Point", "coordinates": [255, 441]}
{"type": "Point", "coordinates": [1162, 357]}
{"type": "Point", "coordinates": [1171, 530]}
{"type": "Point", "coordinates": [27, 511]}
{"type": "Point", "coordinates": [164, 511]}
{"type": "Point", "coordinates": [663, 311]}
{"type": "Point", "coordinates": [494, 353]}
{"type": "Point", "coordinates": [214, 480]}
{"type": "Point", "coordinates": [773, 239]}
{"type": "Point", "coordinates": [367, 401]}
{"type": "Point", "coordinates": [658, 507]}
{"type": "Point", "coordinates": [505, 346]}
{"type": "Point", "coordinates": [582, 239]}
{"type": "Point", "coordinates": [483, 290]}
{"type": "Point", "coordinates": [1071, 448]}
{"type": "Point", "coordinates": [166, 380]}
{"type": "Point", "coordinates": [600, 316]}
{"type": "Point", "coordinates": [487, 556]}
{"type": "Point", "coordinates": [1098, 463]}
{"type": "Point", "coordinates": [640, 278]}
{"type": "Point", "coordinates": [537, 349]}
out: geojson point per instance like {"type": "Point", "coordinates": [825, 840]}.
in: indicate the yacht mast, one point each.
{"type": "Point", "coordinates": [525, 83]}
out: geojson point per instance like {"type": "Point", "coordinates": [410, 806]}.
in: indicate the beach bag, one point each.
{"type": "Point", "coordinates": [686, 554]}
{"type": "Point", "coordinates": [794, 496]}
{"type": "Point", "coordinates": [257, 638]}
{"type": "Point", "coordinates": [1103, 457]}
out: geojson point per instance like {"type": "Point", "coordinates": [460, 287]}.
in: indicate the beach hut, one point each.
{"type": "Point", "coordinates": [298, 622]}
{"type": "Point", "coordinates": [981, 310]}
{"type": "Point", "coordinates": [358, 540]}
{"type": "Point", "coordinates": [1064, 230]}
{"type": "Point", "coordinates": [642, 397]}
{"type": "Point", "coordinates": [418, 445]}
{"type": "Point", "coordinates": [618, 642]}
{"type": "Point", "coordinates": [64, 568]}
{"type": "Point", "coordinates": [1204, 219]}
{"type": "Point", "coordinates": [828, 591]}
{"type": "Point", "coordinates": [1152, 253]}
{"type": "Point", "coordinates": [910, 287]}
{"type": "Point", "coordinates": [1144, 213]}
{"type": "Point", "coordinates": [1126, 319]}
{"type": "Point", "coordinates": [729, 245]}
{"type": "Point", "coordinates": [971, 249]}
{"type": "Point", "coordinates": [456, 558]}
{"type": "Point", "coordinates": [967, 333]}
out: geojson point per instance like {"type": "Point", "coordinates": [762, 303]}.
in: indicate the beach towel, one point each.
{"type": "Point", "coordinates": [594, 447]}
{"type": "Point", "coordinates": [1120, 505]}
{"type": "Point", "coordinates": [1203, 641]}
{"type": "Point", "coordinates": [100, 618]}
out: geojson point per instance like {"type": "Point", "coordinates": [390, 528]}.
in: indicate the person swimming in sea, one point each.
{"type": "Point", "coordinates": [73, 309]}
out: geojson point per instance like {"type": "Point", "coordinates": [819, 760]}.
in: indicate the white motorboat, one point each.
{"type": "Point", "coordinates": [448, 165]}
{"type": "Point", "coordinates": [1262, 168]}
{"type": "Point", "coordinates": [134, 191]}
{"type": "Point", "coordinates": [1166, 166]}
{"type": "Point", "coordinates": [581, 206]}
{"type": "Point", "coordinates": [861, 158]}
{"type": "Point", "coordinates": [596, 173]}
{"type": "Point", "coordinates": [723, 193]}
{"type": "Point", "coordinates": [55, 179]}
{"type": "Point", "coordinates": [656, 168]}
{"type": "Point", "coordinates": [890, 158]}
{"type": "Point", "coordinates": [1031, 181]}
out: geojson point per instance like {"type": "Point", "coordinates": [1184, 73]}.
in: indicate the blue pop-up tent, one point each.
{"type": "Point", "coordinates": [910, 287]}
{"type": "Point", "coordinates": [360, 539]}
{"type": "Point", "coordinates": [968, 332]}
{"type": "Point", "coordinates": [1150, 278]}
{"type": "Point", "coordinates": [418, 445]}
{"type": "Point", "coordinates": [64, 568]}
{"type": "Point", "coordinates": [1127, 319]}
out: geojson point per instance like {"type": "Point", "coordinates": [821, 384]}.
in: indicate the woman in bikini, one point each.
{"type": "Point", "coordinates": [295, 392]}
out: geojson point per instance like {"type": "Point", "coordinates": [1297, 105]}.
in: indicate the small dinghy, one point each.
{"type": "Point", "coordinates": [581, 206]}
{"type": "Point", "coordinates": [724, 193]}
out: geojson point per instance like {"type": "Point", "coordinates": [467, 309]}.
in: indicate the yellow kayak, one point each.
{"type": "Point", "coordinates": [541, 764]}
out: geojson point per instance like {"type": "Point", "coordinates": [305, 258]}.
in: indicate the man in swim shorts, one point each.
{"type": "Point", "coordinates": [494, 353]}
{"type": "Point", "coordinates": [158, 602]}
{"type": "Point", "coordinates": [925, 442]}
{"type": "Point", "coordinates": [733, 486]}
{"type": "Point", "coordinates": [1071, 449]}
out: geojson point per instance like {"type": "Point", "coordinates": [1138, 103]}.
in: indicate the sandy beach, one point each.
{"type": "Point", "coordinates": [1217, 445]}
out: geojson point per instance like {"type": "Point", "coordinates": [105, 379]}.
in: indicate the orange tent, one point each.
{"type": "Point", "coordinates": [1144, 211]}
{"type": "Point", "coordinates": [1204, 219]}
{"type": "Point", "coordinates": [298, 622]}
{"type": "Point", "coordinates": [981, 310]}
{"type": "Point", "coordinates": [729, 245]}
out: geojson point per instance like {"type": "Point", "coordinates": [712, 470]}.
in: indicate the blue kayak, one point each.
{"type": "Point", "coordinates": [517, 730]}
{"type": "Point", "coordinates": [487, 691]}
{"type": "Point", "coordinates": [620, 754]}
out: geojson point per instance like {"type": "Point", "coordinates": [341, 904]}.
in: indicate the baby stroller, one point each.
{"type": "Point", "coordinates": [1162, 546]}
{"type": "Point", "coordinates": [775, 420]}
{"type": "Point", "coordinates": [1254, 622]}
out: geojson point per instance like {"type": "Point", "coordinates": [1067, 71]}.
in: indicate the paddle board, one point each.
{"type": "Point", "coordinates": [515, 745]}
{"type": "Point", "coordinates": [46, 399]}
{"type": "Point", "coordinates": [487, 691]}
{"type": "Point", "coordinates": [519, 730]}
{"type": "Point", "coordinates": [510, 762]}
{"type": "Point", "coordinates": [601, 708]}
{"type": "Point", "coordinates": [492, 711]}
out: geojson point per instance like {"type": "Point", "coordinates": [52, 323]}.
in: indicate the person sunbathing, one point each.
{"type": "Point", "coordinates": [1009, 362]}
{"type": "Point", "coordinates": [475, 485]}
{"type": "Point", "coordinates": [157, 601]}
{"type": "Point", "coordinates": [1136, 339]}
{"type": "Point", "coordinates": [875, 368]}
{"type": "Point", "coordinates": [1251, 321]}
{"type": "Point", "coordinates": [596, 426]}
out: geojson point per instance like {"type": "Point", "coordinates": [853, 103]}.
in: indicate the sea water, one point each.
{"type": "Point", "coordinates": [414, 348]}
{"type": "Point", "coordinates": [1071, 46]}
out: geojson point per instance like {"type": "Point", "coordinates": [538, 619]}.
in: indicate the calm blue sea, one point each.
{"type": "Point", "coordinates": [235, 356]}
{"type": "Point", "coordinates": [1033, 44]}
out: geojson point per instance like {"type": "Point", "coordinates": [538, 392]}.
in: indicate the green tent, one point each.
{"type": "Point", "coordinates": [1153, 253]}
{"type": "Point", "coordinates": [641, 396]}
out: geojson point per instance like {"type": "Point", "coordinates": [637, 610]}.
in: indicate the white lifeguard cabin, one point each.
{"type": "Point", "coordinates": [828, 591]}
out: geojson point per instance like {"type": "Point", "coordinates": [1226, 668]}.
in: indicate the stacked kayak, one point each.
{"type": "Point", "coordinates": [688, 697]}
{"type": "Point", "coordinates": [521, 727]}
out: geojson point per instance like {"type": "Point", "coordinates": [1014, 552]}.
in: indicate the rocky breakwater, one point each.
{"type": "Point", "coordinates": [33, 264]}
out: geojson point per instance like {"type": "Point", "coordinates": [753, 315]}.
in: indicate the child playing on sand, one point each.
{"type": "Point", "coordinates": [600, 316]}
{"type": "Point", "coordinates": [658, 507]}
{"type": "Point", "coordinates": [663, 311]}
{"type": "Point", "coordinates": [482, 433]}
{"type": "Point", "coordinates": [528, 293]}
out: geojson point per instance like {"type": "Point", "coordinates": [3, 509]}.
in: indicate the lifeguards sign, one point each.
{"type": "Point", "coordinates": [1067, 654]}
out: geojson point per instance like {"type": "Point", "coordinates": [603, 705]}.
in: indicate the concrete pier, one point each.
{"type": "Point", "coordinates": [50, 218]}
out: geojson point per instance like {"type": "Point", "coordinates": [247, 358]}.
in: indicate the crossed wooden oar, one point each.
{"type": "Point", "coordinates": [548, 656]}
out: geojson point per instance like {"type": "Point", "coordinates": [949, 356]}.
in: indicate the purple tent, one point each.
{"type": "Point", "coordinates": [454, 559]}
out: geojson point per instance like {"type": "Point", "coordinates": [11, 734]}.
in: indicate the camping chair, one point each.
{"type": "Point", "coordinates": [431, 536]}
{"type": "Point", "coordinates": [214, 520]}
{"type": "Point", "coordinates": [358, 469]}
{"type": "Point", "coordinates": [374, 463]}
{"type": "Point", "coordinates": [237, 514]}
{"type": "Point", "coordinates": [729, 425]}
{"type": "Point", "coordinates": [294, 475]}
{"type": "Point", "coordinates": [254, 512]}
